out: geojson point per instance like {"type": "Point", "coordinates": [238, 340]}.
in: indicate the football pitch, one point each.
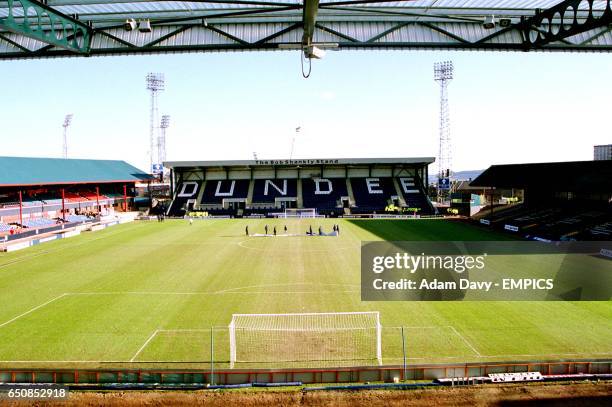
{"type": "Point", "coordinates": [162, 294]}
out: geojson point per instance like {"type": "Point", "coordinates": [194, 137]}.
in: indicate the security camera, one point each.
{"type": "Point", "coordinates": [489, 22]}
{"type": "Point", "coordinates": [505, 22]}
{"type": "Point", "coordinates": [144, 26]}
{"type": "Point", "coordinates": [130, 24]}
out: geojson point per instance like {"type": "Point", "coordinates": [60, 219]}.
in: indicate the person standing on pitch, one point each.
{"type": "Point", "coordinates": [338, 229]}
{"type": "Point", "coordinates": [310, 230]}
{"type": "Point", "coordinates": [190, 221]}
{"type": "Point", "coordinates": [247, 230]}
{"type": "Point", "coordinates": [266, 229]}
{"type": "Point", "coordinates": [320, 231]}
{"type": "Point", "coordinates": [274, 231]}
{"type": "Point", "coordinates": [285, 229]}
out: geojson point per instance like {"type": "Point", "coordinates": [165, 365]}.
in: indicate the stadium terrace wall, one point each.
{"type": "Point", "coordinates": [277, 184]}
{"type": "Point", "coordinates": [105, 376]}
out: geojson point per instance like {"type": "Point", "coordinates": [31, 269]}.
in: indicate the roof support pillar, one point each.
{"type": "Point", "coordinates": [20, 209]}
{"type": "Point", "coordinates": [98, 198]}
{"type": "Point", "coordinates": [63, 204]}
{"type": "Point", "coordinates": [171, 182]}
{"type": "Point", "coordinates": [124, 198]}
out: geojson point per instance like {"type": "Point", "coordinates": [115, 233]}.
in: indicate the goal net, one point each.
{"type": "Point", "coordinates": [338, 337]}
{"type": "Point", "coordinates": [300, 213]}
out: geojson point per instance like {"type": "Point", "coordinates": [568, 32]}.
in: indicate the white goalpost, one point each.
{"type": "Point", "coordinates": [334, 337]}
{"type": "Point", "coordinates": [299, 213]}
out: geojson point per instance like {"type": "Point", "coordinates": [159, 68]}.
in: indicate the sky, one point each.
{"type": "Point", "coordinates": [505, 107]}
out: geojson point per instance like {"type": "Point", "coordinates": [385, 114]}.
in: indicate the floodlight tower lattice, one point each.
{"type": "Point", "coordinates": [155, 84]}
{"type": "Point", "coordinates": [161, 141]}
{"type": "Point", "coordinates": [443, 74]}
{"type": "Point", "coordinates": [67, 123]}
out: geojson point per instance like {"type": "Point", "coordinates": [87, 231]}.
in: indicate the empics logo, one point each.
{"type": "Point", "coordinates": [405, 261]}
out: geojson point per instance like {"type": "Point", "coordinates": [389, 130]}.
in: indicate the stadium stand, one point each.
{"type": "Point", "coordinates": [91, 195]}
{"type": "Point", "coordinates": [566, 225]}
{"type": "Point", "coordinates": [333, 187]}
{"type": "Point", "coordinates": [216, 191]}
{"type": "Point", "coordinates": [4, 227]}
{"type": "Point", "coordinates": [562, 201]}
{"type": "Point", "coordinates": [412, 192]}
{"type": "Point", "coordinates": [268, 190]}
{"type": "Point", "coordinates": [38, 223]}
{"type": "Point", "coordinates": [184, 198]}
{"type": "Point", "coordinates": [602, 231]}
{"type": "Point", "coordinates": [31, 190]}
{"type": "Point", "coordinates": [324, 194]}
{"type": "Point", "coordinates": [77, 218]}
{"type": "Point", "coordinates": [372, 194]}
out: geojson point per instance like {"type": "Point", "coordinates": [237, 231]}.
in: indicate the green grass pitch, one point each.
{"type": "Point", "coordinates": [148, 293]}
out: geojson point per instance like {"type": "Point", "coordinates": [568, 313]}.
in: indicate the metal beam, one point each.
{"type": "Point", "coordinates": [564, 20]}
{"type": "Point", "coordinates": [309, 19]}
{"type": "Point", "coordinates": [41, 22]}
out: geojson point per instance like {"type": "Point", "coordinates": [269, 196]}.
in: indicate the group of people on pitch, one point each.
{"type": "Point", "coordinates": [246, 230]}
{"type": "Point", "coordinates": [336, 229]}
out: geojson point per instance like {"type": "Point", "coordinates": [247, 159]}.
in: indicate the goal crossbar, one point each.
{"type": "Point", "coordinates": [311, 313]}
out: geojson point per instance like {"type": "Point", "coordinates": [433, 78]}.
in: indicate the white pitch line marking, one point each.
{"type": "Point", "coordinates": [232, 290]}
{"type": "Point", "coordinates": [416, 327]}
{"type": "Point", "coordinates": [185, 330]}
{"type": "Point", "coordinates": [223, 293]}
{"type": "Point", "coordinates": [288, 292]}
{"type": "Point", "coordinates": [465, 340]}
{"type": "Point", "coordinates": [144, 345]}
{"type": "Point", "coordinates": [284, 285]}
{"type": "Point", "coordinates": [32, 310]}
{"type": "Point", "coordinates": [140, 293]}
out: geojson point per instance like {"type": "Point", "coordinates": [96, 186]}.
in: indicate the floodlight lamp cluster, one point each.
{"type": "Point", "coordinates": [67, 120]}
{"type": "Point", "coordinates": [443, 70]}
{"type": "Point", "coordinates": [165, 121]}
{"type": "Point", "coordinates": [155, 81]}
{"type": "Point", "coordinates": [142, 25]}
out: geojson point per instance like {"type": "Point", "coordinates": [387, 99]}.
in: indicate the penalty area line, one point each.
{"type": "Point", "coordinates": [144, 345]}
{"type": "Point", "coordinates": [32, 310]}
{"type": "Point", "coordinates": [465, 340]}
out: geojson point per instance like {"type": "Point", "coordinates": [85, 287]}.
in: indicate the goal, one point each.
{"type": "Point", "coordinates": [300, 213]}
{"type": "Point", "coordinates": [335, 337]}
